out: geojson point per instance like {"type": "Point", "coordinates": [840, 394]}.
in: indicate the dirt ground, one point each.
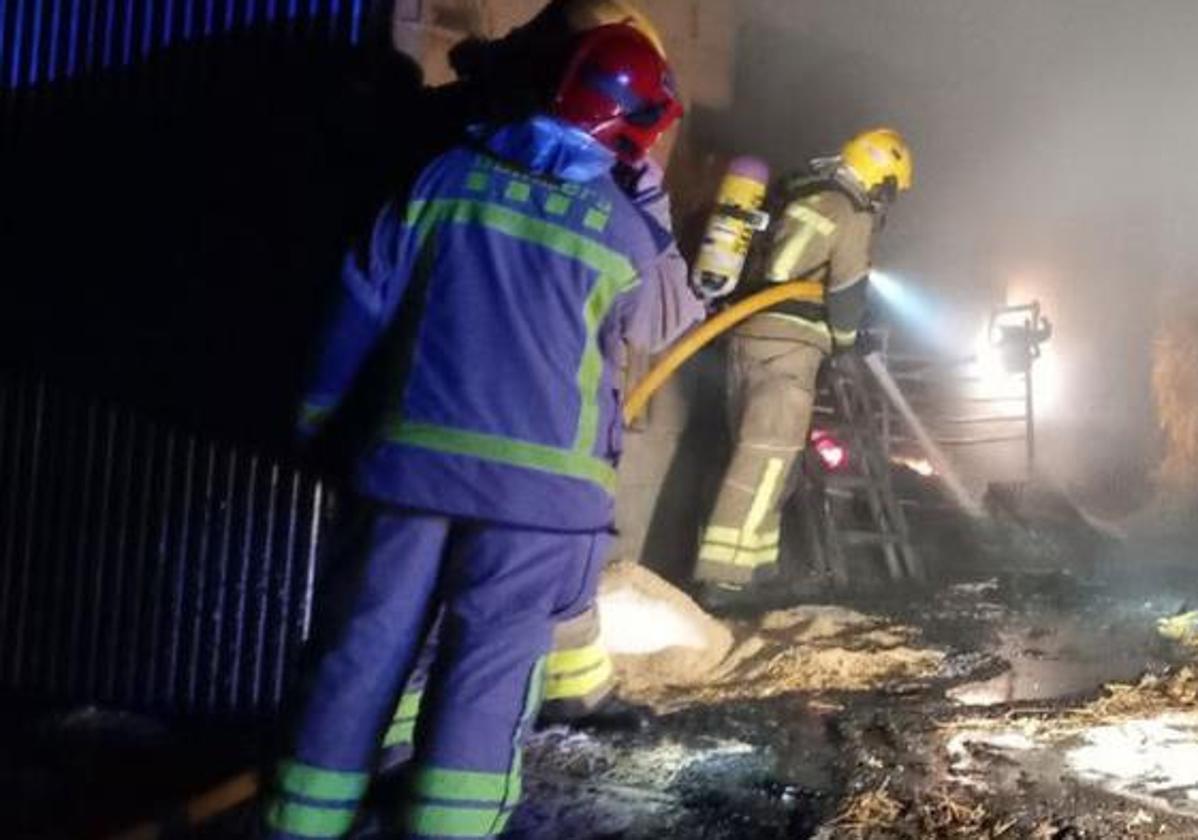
{"type": "Point", "coordinates": [1041, 691]}
{"type": "Point", "coordinates": [992, 721]}
{"type": "Point", "coordinates": [1048, 694]}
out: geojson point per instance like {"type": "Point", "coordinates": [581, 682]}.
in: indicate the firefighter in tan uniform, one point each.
{"type": "Point", "coordinates": [824, 233]}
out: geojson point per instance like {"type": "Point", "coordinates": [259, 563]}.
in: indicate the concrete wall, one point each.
{"type": "Point", "coordinates": [699, 35]}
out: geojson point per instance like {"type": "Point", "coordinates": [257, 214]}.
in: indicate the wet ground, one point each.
{"type": "Point", "coordinates": [1030, 644]}
{"type": "Point", "coordinates": [996, 744]}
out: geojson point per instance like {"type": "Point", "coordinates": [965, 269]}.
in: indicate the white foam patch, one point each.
{"type": "Point", "coordinates": [633, 623]}
{"type": "Point", "coordinates": [1157, 757]}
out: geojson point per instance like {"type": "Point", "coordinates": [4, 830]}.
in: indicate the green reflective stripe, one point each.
{"type": "Point", "coordinates": [315, 783]}
{"type": "Point", "coordinates": [505, 451]}
{"type": "Point", "coordinates": [596, 220]}
{"type": "Point", "coordinates": [403, 725]}
{"type": "Point", "coordinates": [590, 371]}
{"type": "Point", "coordinates": [409, 704]}
{"type": "Point", "coordinates": [532, 707]}
{"type": "Point", "coordinates": [444, 821]}
{"type": "Point", "coordinates": [309, 820]}
{"type": "Point", "coordinates": [314, 414]}
{"type": "Point", "coordinates": [532, 698]}
{"type": "Point", "coordinates": [518, 191]}
{"type": "Point", "coordinates": [605, 261]}
{"type": "Point", "coordinates": [616, 275]}
{"type": "Point", "coordinates": [478, 181]}
{"type": "Point", "coordinates": [400, 733]}
{"type": "Point", "coordinates": [461, 785]}
{"type": "Point", "coordinates": [557, 205]}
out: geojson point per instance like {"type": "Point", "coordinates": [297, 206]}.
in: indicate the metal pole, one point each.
{"type": "Point", "coordinates": [1029, 386]}
{"type": "Point", "coordinates": [944, 468]}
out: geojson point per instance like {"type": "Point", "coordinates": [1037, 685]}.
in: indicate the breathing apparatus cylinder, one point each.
{"type": "Point", "coordinates": [736, 219]}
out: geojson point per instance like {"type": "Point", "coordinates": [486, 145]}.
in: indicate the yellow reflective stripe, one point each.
{"type": "Point", "coordinates": [812, 218]}
{"type": "Point", "coordinates": [747, 557]}
{"type": "Point", "coordinates": [782, 266]}
{"type": "Point", "coordinates": [818, 329]}
{"type": "Point", "coordinates": [844, 338]}
{"type": "Point", "coordinates": [734, 537]}
{"type": "Point", "coordinates": [565, 662]}
{"type": "Point", "coordinates": [581, 685]}
{"type": "Point", "coordinates": [791, 249]}
{"type": "Point", "coordinates": [763, 499]}
{"type": "Point", "coordinates": [722, 534]}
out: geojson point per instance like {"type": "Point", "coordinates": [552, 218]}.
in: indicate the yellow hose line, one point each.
{"type": "Point", "coordinates": [811, 291]}
{"type": "Point", "coordinates": [223, 798]}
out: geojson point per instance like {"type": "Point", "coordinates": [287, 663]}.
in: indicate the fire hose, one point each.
{"type": "Point", "coordinates": [241, 788]}
{"type": "Point", "coordinates": [245, 786]}
{"type": "Point", "coordinates": [808, 291]}
{"type": "Point", "coordinates": [812, 292]}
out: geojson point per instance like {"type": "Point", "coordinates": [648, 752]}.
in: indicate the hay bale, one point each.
{"type": "Point", "coordinates": [657, 636]}
{"type": "Point", "coordinates": [1175, 387]}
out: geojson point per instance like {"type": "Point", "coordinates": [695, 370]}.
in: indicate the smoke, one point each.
{"type": "Point", "coordinates": [1053, 143]}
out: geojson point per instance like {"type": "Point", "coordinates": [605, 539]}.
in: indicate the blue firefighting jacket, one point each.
{"type": "Point", "coordinates": [501, 293]}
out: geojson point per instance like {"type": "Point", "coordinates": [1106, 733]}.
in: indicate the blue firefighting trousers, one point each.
{"type": "Point", "coordinates": [501, 590]}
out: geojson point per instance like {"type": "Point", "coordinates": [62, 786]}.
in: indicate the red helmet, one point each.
{"type": "Point", "coordinates": [619, 89]}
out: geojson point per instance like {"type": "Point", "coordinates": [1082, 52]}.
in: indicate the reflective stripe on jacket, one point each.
{"type": "Point", "coordinates": [822, 234]}
{"type": "Point", "coordinates": [517, 291]}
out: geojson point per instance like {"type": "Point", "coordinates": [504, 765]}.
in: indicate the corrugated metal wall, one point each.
{"type": "Point", "coordinates": [45, 40]}
{"type": "Point", "coordinates": [143, 567]}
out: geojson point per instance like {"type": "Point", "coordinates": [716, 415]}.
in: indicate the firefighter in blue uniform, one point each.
{"type": "Point", "coordinates": [501, 294]}
{"type": "Point", "coordinates": [497, 79]}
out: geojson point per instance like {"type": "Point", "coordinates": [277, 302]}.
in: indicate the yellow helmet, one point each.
{"type": "Point", "coordinates": [877, 155]}
{"type": "Point", "coordinates": [585, 15]}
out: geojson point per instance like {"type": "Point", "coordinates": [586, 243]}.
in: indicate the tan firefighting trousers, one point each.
{"type": "Point", "coordinates": [772, 368]}
{"type": "Point", "coordinates": [578, 671]}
